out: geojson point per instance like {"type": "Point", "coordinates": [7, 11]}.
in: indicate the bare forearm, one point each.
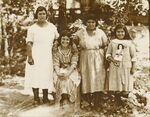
{"type": "Point", "coordinates": [133, 64]}
{"type": "Point", "coordinates": [29, 49]}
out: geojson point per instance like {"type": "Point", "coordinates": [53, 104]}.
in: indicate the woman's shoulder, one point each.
{"type": "Point", "coordinates": [116, 41]}
{"type": "Point", "coordinates": [33, 26]}
{"type": "Point", "coordinates": [80, 31]}
{"type": "Point", "coordinates": [99, 30]}
{"type": "Point", "coordinates": [51, 25]}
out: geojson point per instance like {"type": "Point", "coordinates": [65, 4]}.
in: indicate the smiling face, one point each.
{"type": "Point", "coordinates": [91, 24]}
{"type": "Point", "coordinates": [65, 41]}
{"type": "Point", "coordinates": [41, 15]}
{"type": "Point", "coordinates": [120, 33]}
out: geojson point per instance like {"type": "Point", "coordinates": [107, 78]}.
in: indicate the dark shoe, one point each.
{"type": "Point", "coordinates": [36, 96]}
{"type": "Point", "coordinates": [88, 108]}
{"type": "Point", "coordinates": [98, 109]}
{"type": "Point", "coordinates": [61, 102]}
{"type": "Point", "coordinates": [36, 102]}
{"type": "Point", "coordinates": [51, 102]}
{"type": "Point", "coordinates": [45, 96]}
{"type": "Point", "coordinates": [46, 101]}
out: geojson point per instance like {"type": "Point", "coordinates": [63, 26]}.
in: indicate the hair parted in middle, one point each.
{"type": "Point", "coordinates": [40, 8]}
{"type": "Point", "coordinates": [122, 26]}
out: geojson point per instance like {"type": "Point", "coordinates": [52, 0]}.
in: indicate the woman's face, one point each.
{"type": "Point", "coordinates": [41, 16]}
{"type": "Point", "coordinates": [65, 41]}
{"type": "Point", "coordinates": [91, 24]}
{"type": "Point", "coordinates": [120, 33]}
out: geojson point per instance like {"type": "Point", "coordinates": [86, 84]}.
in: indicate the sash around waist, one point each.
{"type": "Point", "coordinates": [91, 49]}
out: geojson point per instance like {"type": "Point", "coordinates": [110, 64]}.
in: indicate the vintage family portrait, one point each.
{"type": "Point", "coordinates": [74, 58]}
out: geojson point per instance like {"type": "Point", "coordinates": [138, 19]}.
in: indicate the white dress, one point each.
{"type": "Point", "coordinates": [40, 75]}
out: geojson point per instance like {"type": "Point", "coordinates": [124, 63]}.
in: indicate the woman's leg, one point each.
{"type": "Point", "coordinates": [87, 97]}
{"type": "Point", "coordinates": [36, 96]}
{"type": "Point", "coordinates": [45, 96]}
{"type": "Point", "coordinates": [97, 99]}
{"type": "Point", "coordinates": [124, 94]}
{"type": "Point", "coordinates": [118, 98]}
{"type": "Point", "coordinates": [64, 97]}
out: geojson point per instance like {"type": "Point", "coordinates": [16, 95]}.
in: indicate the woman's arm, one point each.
{"type": "Point", "coordinates": [30, 40]}
{"type": "Point", "coordinates": [133, 58]}
{"type": "Point", "coordinates": [74, 59]}
{"type": "Point", "coordinates": [29, 49]}
{"type": "Point", "coordinates": [133, 67]}
{"type": "Point", "coordinates": [29, 53]}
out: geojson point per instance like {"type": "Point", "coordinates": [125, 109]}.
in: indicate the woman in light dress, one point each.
{"type": "Point", "coordinates": [92, 42]}
{"type": "Point", "coordinates": [39, 65]}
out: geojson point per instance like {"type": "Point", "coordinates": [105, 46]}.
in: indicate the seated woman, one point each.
{"type": "Point", "coordinates": [66, 76]}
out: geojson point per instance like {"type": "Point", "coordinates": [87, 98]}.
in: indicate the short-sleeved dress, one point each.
{"type": "Point", "coordinates": [119, 77]}
{"type": "Point", "coordinates": [40, 75]}
{"type": "Point", "coordinates": [91, 61]}
{"type": "Point", "coordinates": [63, 62]}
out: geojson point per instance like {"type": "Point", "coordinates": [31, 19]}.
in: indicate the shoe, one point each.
{"type": "Point", "coordinates": [87, 108]}
{"type": "Point", "coordinates": [36, 102]}
{"type": "Point", "coordinates": [97, 109]}
{"type": "Point", "coordinates": [45, 101]}
{"type": "Point", "coordinates": [51, 102]}
{"type": "Point", "coordinates": [61, 103]}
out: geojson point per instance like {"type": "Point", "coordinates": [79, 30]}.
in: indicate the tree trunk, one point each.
{"type": "Point", "coordinates": [62, 19]}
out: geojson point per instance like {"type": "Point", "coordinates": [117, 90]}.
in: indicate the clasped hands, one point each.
{"type": "Point", "coordinates": [64, 76]}
{"type": "Point", "coordinates": [116, 63]}
{"type": "Point", "coordinates": [64, 73]}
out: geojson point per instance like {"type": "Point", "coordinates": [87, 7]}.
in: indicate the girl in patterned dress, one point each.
{"type": "Point", "coordinates": [66, 76]}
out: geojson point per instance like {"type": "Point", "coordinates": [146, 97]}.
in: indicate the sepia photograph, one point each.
{"type": "Point", "coordinates": [74, 58]}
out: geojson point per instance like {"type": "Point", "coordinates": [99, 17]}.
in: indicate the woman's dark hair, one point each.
{"type": "Point", "coordinates": [120, 45]}
{"type": "Point", "coordinates": [40, 8]}
{"type": "Point", "coordinates": [90, 17]}
{"type": "Point", "coordinates": [122, 26]}
{"type": "Point", "coordinates": [65, 33]}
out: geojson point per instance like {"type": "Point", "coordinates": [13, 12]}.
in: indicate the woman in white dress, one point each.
{"type": "Point", "coordinates": [39, 66]}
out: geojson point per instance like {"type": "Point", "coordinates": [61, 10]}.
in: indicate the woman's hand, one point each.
{"type": "Point", "coordinates": [66, 75]}
{"type": "Point", "coordinates": [61, 75]}
{"type": "Point", "coordinates": [30, 61]}
{"type": "Point", "coordinates": [132, 71]}
{"type": "Point", "coordinates": [116, 63]}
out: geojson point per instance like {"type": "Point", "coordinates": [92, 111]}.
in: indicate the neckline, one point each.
{"type": "Point", "coordinates": [65, 54]}
{"type": "Point", "coordinates": [45, 25]}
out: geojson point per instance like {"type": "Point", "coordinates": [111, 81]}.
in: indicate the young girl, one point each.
{"type": "Point", "coordinates": [121, 69]}
{"type": "Point", "coordinates": [66, 78]}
